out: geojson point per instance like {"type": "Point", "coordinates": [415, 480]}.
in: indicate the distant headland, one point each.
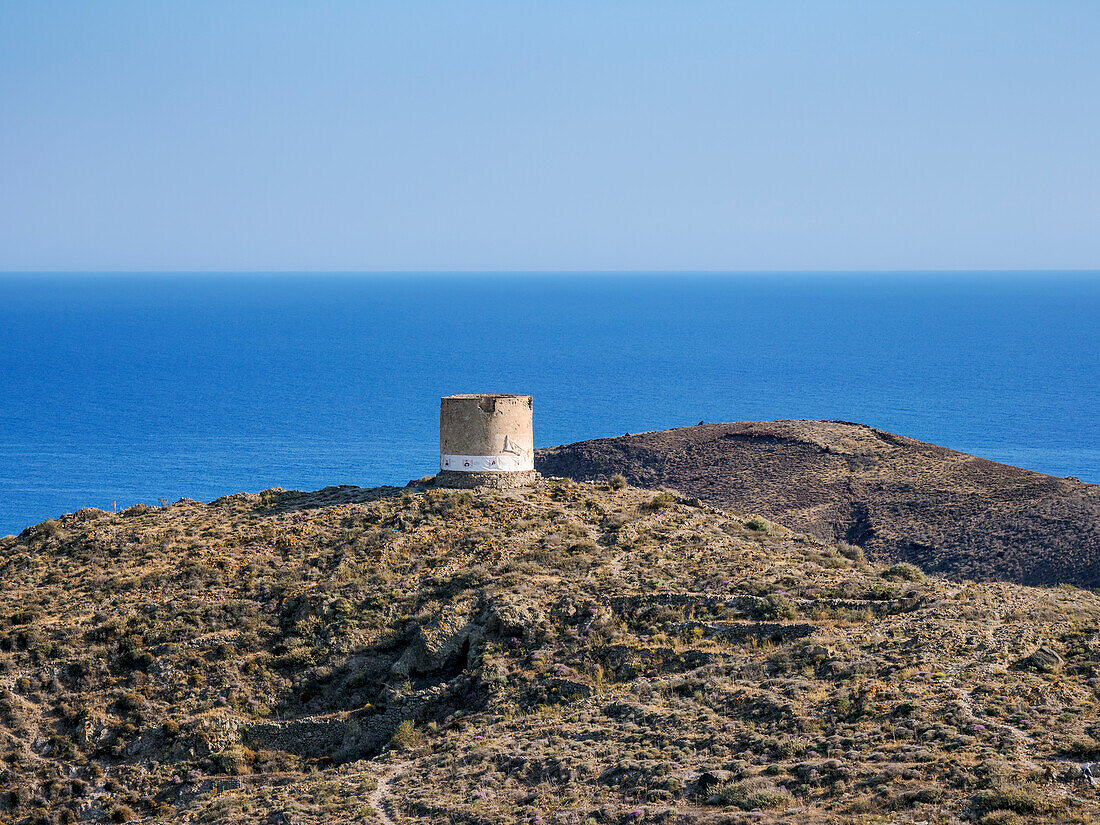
{"type": "Point", "coordinates": [898, 498]}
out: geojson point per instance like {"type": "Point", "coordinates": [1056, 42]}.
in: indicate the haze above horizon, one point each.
{"type": "Point", "coordinates": [529, 136]}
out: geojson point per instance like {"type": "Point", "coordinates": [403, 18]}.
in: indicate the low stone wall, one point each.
{"type": "Point", "coordinates": [313, 736]}
{"type": "Point", "coordinates": [341, 736]}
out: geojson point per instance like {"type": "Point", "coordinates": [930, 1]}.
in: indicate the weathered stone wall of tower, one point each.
{"type": "Point", "coordinates": [486, 439]}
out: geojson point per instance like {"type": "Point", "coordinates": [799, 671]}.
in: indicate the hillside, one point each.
{"type": "Point", "coordinates": [566, 653]}
{"type": "Point", "coordinates": [898, 498]}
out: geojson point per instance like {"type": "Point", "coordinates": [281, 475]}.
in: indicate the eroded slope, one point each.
{"type": "Point", "coordinates": [900, 499]}
{"type": "Point", "coordinates": [559, 654]}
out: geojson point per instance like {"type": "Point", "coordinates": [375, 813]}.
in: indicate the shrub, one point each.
{"type": "Point", "coordinates": [659, 501]}
{"type": "Point", "coordinates": [617, 481]}
{"type": "Point", "coordinates": [906, 571]}
{"type": "Point", "coordinates": [1024, 798]}
{"type": "Point", "coordinates": [761, 525]}
{"type": "Point", "coordinates": [1082, 747]}
{"type": "Point", "coordinates": [475, 576]}
{"type": "Point", "coordinates": [851, 551]}
{"type": "Point", "coordinates": [752, 793]}
{"type": "Point", "coordinates": [45, 530]}
{"type": "Point", "coordinates": [405, 736]}
{"type": "Point", "coordinates": [130, 701]}
{"type": "Point", "coordinates": [1001, 818]}
{"type": "Point", "coordinates": [912, 798]}
{"type": "Point", "coordinates": [236, 759]}
{"type": "Point", "coordinates": [791, 747]}
{"type": "Point", "coordinates": [26, 616]}
{"type": "Point", "coordinates": [776, 606]}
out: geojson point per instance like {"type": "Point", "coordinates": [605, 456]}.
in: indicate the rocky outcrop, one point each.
{"type": "Point", "coordinates": [441, 643]}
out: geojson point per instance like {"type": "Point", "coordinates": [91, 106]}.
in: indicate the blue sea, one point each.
{"type": "Point", "coordinates": [131, 388]}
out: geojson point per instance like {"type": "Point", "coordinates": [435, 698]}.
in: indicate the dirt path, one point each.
{"type": "Point", "coordinates": [378, 796]}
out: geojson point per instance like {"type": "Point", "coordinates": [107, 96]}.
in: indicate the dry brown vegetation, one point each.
{"type": "Point", "coordinates": [898, 498]}
{"type": "Point", "coordinates": [566, 653]}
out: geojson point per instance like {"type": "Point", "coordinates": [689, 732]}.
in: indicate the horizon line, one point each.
{"type": "Point", "coordinates": [566, 271]}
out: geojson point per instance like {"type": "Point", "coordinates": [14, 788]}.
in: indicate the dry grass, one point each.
{"type": "Point", "coordinates": [566, 652]}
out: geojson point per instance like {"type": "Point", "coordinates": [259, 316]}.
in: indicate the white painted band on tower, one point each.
{"type": "Point", "coordinates": [486, 434]}
{"type": "Point", "coordinates": [486, 463]}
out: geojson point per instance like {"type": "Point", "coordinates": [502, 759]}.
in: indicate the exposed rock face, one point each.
{"type": "Point", "coordinates": [898, 498]}
{"type": "Point", "coordinates": [1044, 660]}
{"type": "Point", "coordinates": [441, 643]}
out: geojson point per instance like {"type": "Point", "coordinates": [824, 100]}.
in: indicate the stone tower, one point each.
{"type": "Point", "coordinates": [485, 440]}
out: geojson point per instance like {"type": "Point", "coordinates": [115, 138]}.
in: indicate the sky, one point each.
{"type": "Point", "coordinates": [518, 135]}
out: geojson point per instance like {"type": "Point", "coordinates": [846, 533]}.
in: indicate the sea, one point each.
{"type": "Point", "coordinates": [151, 387]}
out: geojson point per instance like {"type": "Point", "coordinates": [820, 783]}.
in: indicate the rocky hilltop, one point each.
{"type": "Point", "coordinates": [564, 653]}
{"type": "Point", "coordinates": [898, 498]}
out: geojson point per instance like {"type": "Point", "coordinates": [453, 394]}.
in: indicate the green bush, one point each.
{"type": "Point", "coordinates": [660, 501]}
{"type": "Point", "coordinates": [405, 736]}
{"type": "Point", "coordinates": [791, 747]}
{"type": "Point", "coordinates": [617, 481]}
{"type": "Point", "coordinates": [1083, 747]}
{"type": "Point", "coordinates": [851, 551]}
{"type": "Point", "coordinates": [1024, 798]}
{"type": "Point", "coordinates": [236, 759]}
{"type": "Point", "coordinates": [748, 794]}
{"type": "Point", "coordinates": [760, 525]}
{"type": "Point", "coordinates": [776, 606]}
{"type": "Point", "coordinates": [905, 571]}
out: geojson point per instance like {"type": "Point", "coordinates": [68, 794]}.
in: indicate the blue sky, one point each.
{"type": "Point", "coordinates": [549, 135]}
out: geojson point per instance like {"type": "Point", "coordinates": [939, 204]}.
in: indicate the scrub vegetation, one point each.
{"type": "Point", "coordinates": [565, 653]}
{"type": "Point", "coordinates": [895, 498]}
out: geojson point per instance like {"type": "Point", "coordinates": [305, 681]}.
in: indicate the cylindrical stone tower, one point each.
{"type": "Point", "coordinates": [485, 440]}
